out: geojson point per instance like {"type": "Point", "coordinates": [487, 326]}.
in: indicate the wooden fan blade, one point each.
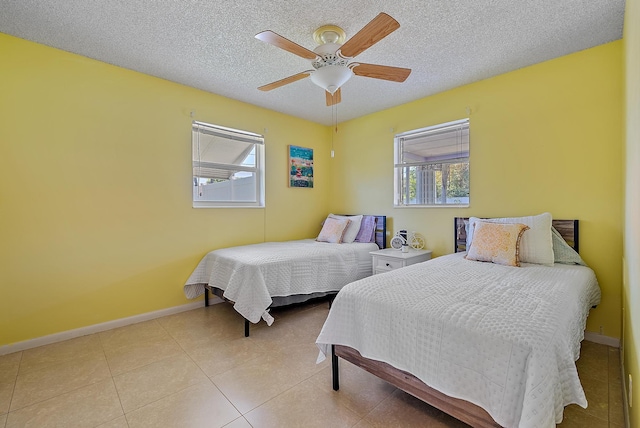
{"type": "Point", "coordinates": [285, 81]}
{"type": "Point", "coordinates": [333, 99]}
{"type": "Point", "coordinates": [286, 44]}
{"type": "Point", "coordinates": [379, 28]}
{"type": "Point", "coordinates": [384, 72]}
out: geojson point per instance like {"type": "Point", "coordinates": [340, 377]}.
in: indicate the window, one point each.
{"type": "Point", "coordinates": [432, 165]}
{"type": "Point", "coordinates": [228, 167]}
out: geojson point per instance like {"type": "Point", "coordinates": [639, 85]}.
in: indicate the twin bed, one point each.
{"type": "Point", "coordinates": [492, 345]}
{"type": "Point", "coordinates": [255, 278]}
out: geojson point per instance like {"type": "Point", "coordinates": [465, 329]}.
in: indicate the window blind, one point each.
{"type": "Point", "coordinates": [446, 143]}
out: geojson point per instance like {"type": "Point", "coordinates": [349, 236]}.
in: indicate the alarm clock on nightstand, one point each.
{"type": "Point", "coordinates": [415, 240]}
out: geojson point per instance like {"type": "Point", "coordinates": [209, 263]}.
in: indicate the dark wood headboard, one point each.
{"type": "Point", "coordinates": [381, 231]}
{"type": "Point", "coordinates": [567, 228]}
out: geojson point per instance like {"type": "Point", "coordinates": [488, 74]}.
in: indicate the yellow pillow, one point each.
{"type": "Point", "coordinates": [497, 243]}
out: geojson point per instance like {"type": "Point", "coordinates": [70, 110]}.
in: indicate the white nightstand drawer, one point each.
{"type": "Point", "coordinates": [390, 259]}
{"type": "Point", "coordinates": [384, 263]}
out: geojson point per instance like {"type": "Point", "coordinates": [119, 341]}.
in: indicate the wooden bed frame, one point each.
{"type": "Point", "coordinates": [460, 409]}
{"type": "Point", "coordinates": [380, 239]}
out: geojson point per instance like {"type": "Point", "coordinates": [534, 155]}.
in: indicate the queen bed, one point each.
{"type": "Point", "coordinates": [255, 278]}
{"type": "Point", "coordinates": [490, 344]}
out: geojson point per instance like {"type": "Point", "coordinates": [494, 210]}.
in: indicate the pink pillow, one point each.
{"type": "Point", "coordinates": [333, 230]}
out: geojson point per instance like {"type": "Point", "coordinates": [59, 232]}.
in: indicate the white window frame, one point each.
{"type": "Point", "coordinates": [231, 135]}
{"type": "Point", "coordinates": [401, 164]}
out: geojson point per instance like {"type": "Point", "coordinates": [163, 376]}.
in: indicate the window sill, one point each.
{"type": "Point", "coordinates": [432, 206]}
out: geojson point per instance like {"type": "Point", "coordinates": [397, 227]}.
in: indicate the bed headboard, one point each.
{"type": "Point", "coordinates": [567, 228]}
{"type": "Point", "coordinates": [381, 231]}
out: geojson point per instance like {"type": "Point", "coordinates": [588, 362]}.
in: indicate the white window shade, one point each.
{"type": "Point", "coordinates": [432, 165]}
{"type": "Point", "coordinates": [227, 166]}
{"type": "Point", "coordinates": [445, 143]}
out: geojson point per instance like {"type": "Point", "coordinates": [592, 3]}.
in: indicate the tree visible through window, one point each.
{"type": "Point", "coordinates": [432, 165]}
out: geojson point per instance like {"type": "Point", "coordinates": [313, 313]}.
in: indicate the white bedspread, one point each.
{"type": "Point", "coordinates": [501, 337]}
{"type": "Point", "coordinates": [251, 274]}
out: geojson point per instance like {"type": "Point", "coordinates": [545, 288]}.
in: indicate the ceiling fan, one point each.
{"type": "Point", "coordinates": [330, 60]}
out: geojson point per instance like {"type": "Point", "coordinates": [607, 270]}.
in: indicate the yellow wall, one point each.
{"type": "Point", "coordinates": [96, 221]}
{"type": "Point", "coordinates": [543, 138]}
{"type": "Point", "coordinates": [96, 218]}
{"type": "Point", "coordinates": [631, 289]}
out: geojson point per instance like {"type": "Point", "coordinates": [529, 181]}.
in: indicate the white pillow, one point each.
{"type": "Point", "coordinates": [353, 228]}
{"type": "Point", "coordinates": [536, 245]}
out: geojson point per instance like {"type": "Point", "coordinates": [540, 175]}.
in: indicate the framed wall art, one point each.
{"type": "Point", "coordinates": [300, 167]}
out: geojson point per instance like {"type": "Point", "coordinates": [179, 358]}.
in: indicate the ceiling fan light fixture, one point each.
{"type": "Point", "coordinates": [331, 77]}
{"type": "Point", "coordinates": [329, 34]}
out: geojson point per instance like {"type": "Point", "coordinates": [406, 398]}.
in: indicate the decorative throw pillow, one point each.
{"type": "Point", "coordinates": [353, 228]}
{"type": "Point", "coordinates": [367, 232]}
{"type": "Point", "coordinates": [497, 243]}
{"type": "Point", "coordinates": [562, 252]}
{"type": "Point", "coordinates": [333, 230]}
{"type": "Point", "coordinates": [536, 246]}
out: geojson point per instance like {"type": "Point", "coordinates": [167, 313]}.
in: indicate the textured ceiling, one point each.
{"type": "Point", "coordinates": [210, 45]}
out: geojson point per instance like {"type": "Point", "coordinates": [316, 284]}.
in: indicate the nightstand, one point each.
{"type": "Point", "coordinates": [390, 259]}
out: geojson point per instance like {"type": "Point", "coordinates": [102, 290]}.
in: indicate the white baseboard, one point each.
{"type": "Point", "coordinates": [601, 339]}
{"type": "Point", "coordinates": [96, 328]}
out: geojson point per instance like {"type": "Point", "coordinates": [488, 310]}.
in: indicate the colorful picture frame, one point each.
{"type": "Point", "coordinates": [300, 167]}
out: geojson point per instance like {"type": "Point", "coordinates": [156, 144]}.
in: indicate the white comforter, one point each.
{"type": "Point", "coordinates": [501, 337]}
{"type": "Point", "coordinates": [251, 274]}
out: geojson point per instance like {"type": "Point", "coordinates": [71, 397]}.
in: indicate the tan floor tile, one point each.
{"type": "Point", "coordinates": [616, 403]}
{"type": "Point", "coordinates": [312, 319]}
{"type": "Point", "coordinates": [577, 417]}
{"type": "Point", "coordinates": [147, 384]}
{"type": "Point", "coordinates": [593, 362]}
{"type": "Point", "coordinates": [593, 349]}
{"type": "Point", "coordinates": [135, 355]}
{"type": "Point", "coordinates": [304, 405]}
{"type": "Point", "coordinates": [363, 424]}
{"type": "Point", "coordinates": [9, 366]}
{"type": "Point", "coordinates": [39, 385]}
{"type": "Point", "coordinates": [360, 391]}
{"type": "Point", "coordinates": [282, 334]}
{"type": "Point", "coordinates": [6, 392]}
{"type": "Point", "coordinates": [221, 313]}
{"type": "Point", "coordinates": [251, 384]}
{"type": "Point", "coordinates": [615, 371]}
{"type": "Point", "coordinates": [404, 410]}
{"type": "Point", "coordinates": [215, 356]}
{"type": "Point", "coordinates": [56, 353]}
{"type": "Point", "coordinates": [300, 327]}
{"type": "Point", "coordinates": [200, 325]}
{"type": "Point", "coordinates": [241, 422]}
{"type": "Point", "coordinates": [120, 422]}
{"type": "Point", "coordinates": [597, 393]}
{"type": "Point", "coordinates": [3, 420]}
{"type": "Point", "coordinates": [201, 405]}
{"type": "Point", "coordinates": [83, 407]}
{"type": "Point", "coordinates": [132, 334]}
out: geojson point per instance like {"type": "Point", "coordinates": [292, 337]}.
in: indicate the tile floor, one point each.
{"type": "Point", "coordinates": [196, 369]}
